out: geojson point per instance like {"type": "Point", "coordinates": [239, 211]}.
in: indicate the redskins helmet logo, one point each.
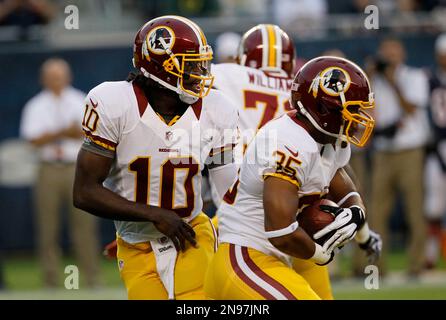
{"type": "Point", "coordinates": [159, 41]}
{"type": "Point", "coordinates": [332, 81]}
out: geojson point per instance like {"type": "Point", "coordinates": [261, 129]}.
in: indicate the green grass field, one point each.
{"type": "Point", "coordinates": [23, 280]}
{"type": "Point", "coordinates": [396, 286]}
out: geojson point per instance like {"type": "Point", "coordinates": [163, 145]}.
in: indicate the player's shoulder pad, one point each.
{"type": "Point", "coordinates": [111, 97]}
{"type": "Point", "coordinates": [291, 135]}
{"type": "Point", "coordinates": [343, 156]}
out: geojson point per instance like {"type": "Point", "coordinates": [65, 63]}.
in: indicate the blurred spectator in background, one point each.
{"type": "Point", "coordinates": [435, 176]}
{"type": "Point", "coordinates": [226, 47]}
{"type": "Point", "coordinates": [51, 121]}
{"type": "Point", "coordinates": [400, 139]}
{"type": "Point", "coordinates": [25, 13]}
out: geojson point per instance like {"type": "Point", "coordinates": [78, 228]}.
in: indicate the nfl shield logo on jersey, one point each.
{"type": "Point", "coordinates": [169, 135]}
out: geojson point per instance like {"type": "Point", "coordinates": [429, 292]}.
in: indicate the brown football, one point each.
{"type": "Point", "coordinates": [312, 219]}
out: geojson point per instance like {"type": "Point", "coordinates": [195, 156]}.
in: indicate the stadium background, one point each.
{"type": "Point", "coordinates": [100, 50]}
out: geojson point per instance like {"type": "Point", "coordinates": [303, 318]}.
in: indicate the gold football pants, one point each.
{"type": "Point", "coordinates": [316, 276]}
{"type": "Point", "coordinates": [137, 266]}
{"type": "Point", "coordinates": [242, 273]}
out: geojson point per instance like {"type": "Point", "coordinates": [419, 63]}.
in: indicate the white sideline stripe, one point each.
{"type": "Point", "coordinates": [255, 278]}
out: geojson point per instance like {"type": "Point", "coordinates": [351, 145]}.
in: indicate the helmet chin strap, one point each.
{"type": "Point", "coordinates": [187, 98]}
{"type": "Point", "coordinates": [338, 136]}
{"type": "Point", "coordinates": [184, 96]}
{"type": "Point", "coordinates": [243, 60]}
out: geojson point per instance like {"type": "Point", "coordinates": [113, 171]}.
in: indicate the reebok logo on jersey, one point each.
{"type": "Point", "coordinates": [168, 150]}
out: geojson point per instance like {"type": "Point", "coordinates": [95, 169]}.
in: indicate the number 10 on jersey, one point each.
{"type": "Point", "coordinates": [141, 168]}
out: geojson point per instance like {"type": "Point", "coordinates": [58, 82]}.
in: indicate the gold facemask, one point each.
{"type": "Point", "coordinates": [192, 69]}
{"type": "Point", "coordinates": [359, 124]}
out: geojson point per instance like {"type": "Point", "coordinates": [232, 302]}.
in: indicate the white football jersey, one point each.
{"type": "Point", "coordinates": [259, 96]}
{"type": "Point", "coordinates": [282, 148]}
{"type": "Point", "coordinates": [156, 163]}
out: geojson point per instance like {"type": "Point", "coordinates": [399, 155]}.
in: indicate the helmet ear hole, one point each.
{"type": "Point", "coordinates": [322, 108]}
{"type": "Point", "coordinates": [295, 97]}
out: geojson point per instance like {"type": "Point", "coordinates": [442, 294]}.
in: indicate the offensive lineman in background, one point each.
{"type": "Point", "coordinates": [147, 140]}
{"type": "Point", "coordinates": [260, 81]}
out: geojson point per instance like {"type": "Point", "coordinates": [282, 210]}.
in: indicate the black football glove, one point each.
{"type": "Point", "coordinates": [345, 225]}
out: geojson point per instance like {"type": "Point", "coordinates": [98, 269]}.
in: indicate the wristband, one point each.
{"type": "Point", "coordinates": [282, 232]}
{"type": "Point", "coordinates": [363, 234]}
{"type": "Point", "coordinates": [319, 256]}
{"type": "Point", "coordinates": [349, 195]}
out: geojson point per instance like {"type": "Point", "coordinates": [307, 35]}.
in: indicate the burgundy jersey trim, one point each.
{"type": "Point", "coordinates": [140, 98]}
{"type": "Point", "coordinates": [197, 106]}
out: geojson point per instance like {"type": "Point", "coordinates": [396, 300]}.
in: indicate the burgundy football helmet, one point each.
{"type": "Point", "coordinates": [333, 93]}
{"type": "Point", "coordinates": [269, 48]}
{"type": "Point", "coordinates": [174, 52]}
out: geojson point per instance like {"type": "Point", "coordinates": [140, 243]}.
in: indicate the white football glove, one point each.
{"type": "Point", "coordinates": [345, 225]}
{"type": "Point", "coordinates": [372, 247]}
{"type": "Point", "coordinates": [322, 258]}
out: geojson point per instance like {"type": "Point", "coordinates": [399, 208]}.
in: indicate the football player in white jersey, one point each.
{"type": "Point", "coordinates": [293, 161]}
{"type": "Point", "coordinates": [260, 82]}
{"type": "Point", "coordinates": [260, 86]}
{"type": "Point", "coordinates": [147, 140]}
